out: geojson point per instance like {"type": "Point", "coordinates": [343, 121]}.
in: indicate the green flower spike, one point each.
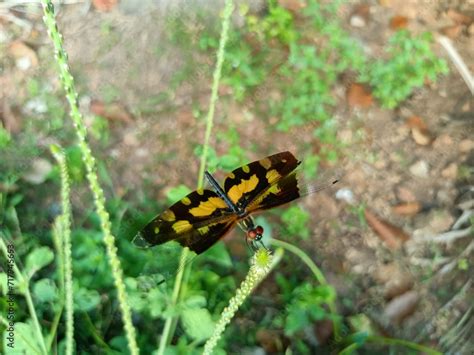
{"type": "Point", "coordinates": [261, 264]}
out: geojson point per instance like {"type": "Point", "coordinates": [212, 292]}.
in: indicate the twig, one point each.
{"type": "Point", "coordinates": [448, 237]}
{"type": "Point", "coordinates": [463, 218]}
{"type": "Point", "coordinates": [451, 236]}
{"type": "Point", "coordinates": [445, 309]}
{"type": "Point", "coordinates": [449, 267]}
{"type": "Point", "coordinates": [458, 62]}
{"type": "Point", "coordinates": [16, 20]}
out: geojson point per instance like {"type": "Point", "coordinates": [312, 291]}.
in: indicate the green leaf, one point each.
{"type": "Point", "coordinates": [229, 161]}
{"type": "Point", "coordinates": [45, 290]}
{"type": "Point", "coordinates": [3, 283]}
{"type": "Point", "coordinates": [177, 193]}
{"type": "Point", "coordinates": [37, 260]}
{"type": "Point", "coordinates": [75, 165]}
{"type": "Point", "coordinates": [195, 302]}
{"type": "Point", "coordinates": [85, 300]}
{"type": "Point", "coordinates": [157, 301]}
{"type": "Point", "coordinates": [198, 323]}
{"type": "Point", "coordinates": [25, 340]}
{"type": "Point", "coordinates": [296, 320]}
{"type": "Point", "coordinates": [219, 255]}
{"type": "Point", "coordinates": [296, 220]}
{"type": "Point", "coordinates": [5, 137]}
{"type": "Point", "coordinates": [317, 312]}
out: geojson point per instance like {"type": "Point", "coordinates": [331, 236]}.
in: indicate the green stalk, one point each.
{"type": "Point", "coordinates": [109, 240]}
{"type": "Point", "coordinates": [228, 9]}
{"type": "Point", "coordinates": [29, 299]}
{"type": "Point", "coordinates": [66, 247]}
{"type": "Point", "coordinates": [317, 274]}
{"type": "Point", "coordinates": [390, 341]}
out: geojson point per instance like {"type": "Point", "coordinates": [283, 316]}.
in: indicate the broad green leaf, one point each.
{"type": "Point", "coordinates": [85, 300]}
{"type": "Point", "coordinates": [220, 255]}
{"type": "Point", "coordinates": [296, 320]}
{"type": "Point", "coordinates": [25, 340]}
{"type": "Point", "coordinates": [45, 290]}
{"type": "Point", "coordinates": [37, 260]}
{"type": "Point", "coordinates": [317, 312]}
{"type": "Point", "coordinates": [198, 323]}
{"type": "Point", "coordinates": [195, 302]}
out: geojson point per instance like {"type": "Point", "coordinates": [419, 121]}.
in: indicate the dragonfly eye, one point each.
{"type": "Point", "coordinates": [252, 234]}
{"type": "Point", "coordinates": [259, 230]}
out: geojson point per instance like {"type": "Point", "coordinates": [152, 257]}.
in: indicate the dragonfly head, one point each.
{"type": "Point", "coordinates": [255, 234]}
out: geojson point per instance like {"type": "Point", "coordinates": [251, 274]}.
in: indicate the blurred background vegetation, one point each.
{"type": "Point", "coordinates": [360, 86]}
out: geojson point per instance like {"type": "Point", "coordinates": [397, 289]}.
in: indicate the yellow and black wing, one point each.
{"type": "Point", "coordinates": [197, 221]}
{"type": "Point", "coordinates": [289, 188]}
{"type": "Point", "coordinates": [246, 185]}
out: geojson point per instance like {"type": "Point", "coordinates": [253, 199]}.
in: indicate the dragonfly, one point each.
{"type": "Point", "coordinates": [205, 216]}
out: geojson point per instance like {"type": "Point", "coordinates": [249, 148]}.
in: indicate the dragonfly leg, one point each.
{"type": "Point", "coordinates": [250, 244]}
{"type": "Point", "coordinates": [263, 245]}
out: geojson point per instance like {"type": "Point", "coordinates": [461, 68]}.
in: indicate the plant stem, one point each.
{"type": "Point", "coordinates": [167, 334]}
{"type": "Point", "coordinates": [402, 342]}
{"type": "Point", "coordinates": [229, 7]}
{"type": "Point", "coordinates": [66, 247]}
{"type": "Point", "coordinates": [29, 299]}
{"type": "Point", "coordinates": [317, 274]}
{"type": "Point", "coordinates": [89, 161]}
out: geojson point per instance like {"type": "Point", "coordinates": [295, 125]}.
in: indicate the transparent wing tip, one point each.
{"type": "Point", "coordinates": [140, 241]}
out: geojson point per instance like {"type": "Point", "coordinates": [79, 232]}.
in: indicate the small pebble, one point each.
{"type": "Point", "coordinates": [420, 169]}
{"type": "Point", "coordinates": [345, 195]}
{"type": "Point", "coordinates": [450, 172]}
{"type": "Point", "coordinates": [357, 21]}
{"type": "Point", "coordinates": [466, 145]}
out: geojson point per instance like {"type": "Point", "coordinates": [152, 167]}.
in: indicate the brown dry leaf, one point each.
{"type": "Point", "coordinates": [402, 306]}
{"type": "Point", "coordinates": [393, 236]}
{"type": "Point", "coordinates": [416, 121]}
{"type": "Point", "coordinates": [395, 280]}
{"type": "Point", "coordinates": [466, 145]}
{"type": "Point", "coordinates": [405, 194]}
{"type": "Point", "coordinates": [358, 96]}
{"type": "Point", "coordinates": [452, 31]}
{"type": "Point", "coordinates": [292, 5]}
{"type": "Point", "coordinates": [421, 137]}
{"type": "Point", "coordinates": [25, 56]}
{"type": "Point", "coordinates": [270, 340]}
{"type": "Point", "coordinates": [450, 172]}
{"type": "Point", "coordinates": [398, 22]}
{"type": "Point", "coordinates": [470, 29]}
{"type": "Point", "coordinates": [407, 209]}
{"type": "Point", "coordinates": [397, 286]}
{"type": "Point", "coordinates": [10, 117]}
{"type": "Point", "coordinates": [323, 329]}
{"type": "Point", "coordinates": [112, 112]}
{"type": "Point", "coordinates": [419, 130]}
{"type": "Point", "coordinates": [104, 5]}
{"type": "Point", "coordinates": [459, 18]}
